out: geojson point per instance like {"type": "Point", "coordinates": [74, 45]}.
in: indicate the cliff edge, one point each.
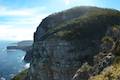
{"type": "Point", "coordinates": [75, 44]}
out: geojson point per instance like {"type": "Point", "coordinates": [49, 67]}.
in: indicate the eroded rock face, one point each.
{"type": "Point", "coordinates": [54, 60]}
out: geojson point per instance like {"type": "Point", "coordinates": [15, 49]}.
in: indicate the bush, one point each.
{"type": "Point", "coordinates": [107, 39]}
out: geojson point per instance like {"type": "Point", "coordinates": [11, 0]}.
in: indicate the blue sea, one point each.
{"type": "Point", "coordinates": [11, 61]}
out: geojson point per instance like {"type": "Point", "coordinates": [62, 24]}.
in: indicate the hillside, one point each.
{"type": "Point", "coordinates": [76, 44]}
{"type": "Point", "coordinates": [22, 45]}
{"type": "Point", "coordinates": [77, 17]}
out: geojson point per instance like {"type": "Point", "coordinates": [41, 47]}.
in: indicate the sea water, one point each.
{"type": "Point", "coordinates": [11, 61]}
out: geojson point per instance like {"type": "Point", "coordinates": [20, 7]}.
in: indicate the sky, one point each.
{"type": "Point", "coordinates": [20, 18]}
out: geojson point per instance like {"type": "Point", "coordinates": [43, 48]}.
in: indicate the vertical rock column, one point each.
{"type": "Point", "coordinates": [53, 61]}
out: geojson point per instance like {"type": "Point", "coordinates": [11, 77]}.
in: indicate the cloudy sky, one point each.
{"type": "Point", "coordinates": [19, 18]}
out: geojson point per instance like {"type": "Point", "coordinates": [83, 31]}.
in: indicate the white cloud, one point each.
{"type": "Point", "coordinates": [20, 24]}
{"type": "Point", "coordinates": [5, 11]}
{"type": "Point", "coordinates": [67, 2]}
{"type": "Point", "coordinates": [11, 33]}
{"type": "Point", "coordinates": [35, 19]}
{"type": "Point", "coordinates": [23, 16]}
{"type": "Point", "coordinates": [2, 8]}
{"type": "Point", "coordinates": [81, 2]}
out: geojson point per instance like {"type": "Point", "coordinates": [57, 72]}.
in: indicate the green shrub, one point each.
{"type": "Point", "coordinates": [107, 39]}
{"type": "Point", "coordinates": [85, 67]}
{"type": "Point", "coordinates": [116, 60]}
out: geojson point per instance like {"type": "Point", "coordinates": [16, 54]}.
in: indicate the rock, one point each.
{"type": "Point", "coordinates": [28, 55]}
{"type": "Point", "coordinates": [104, 59]}
{"type": "Point", "coordinates": [65, 40]}
{"type": "Point", "coordinates": [83, 72]}
{"type": "Point", "coordinates": [103, 63]}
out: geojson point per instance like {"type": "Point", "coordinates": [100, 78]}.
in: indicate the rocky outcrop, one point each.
{"type": "Point", "coordinates": [106, 55]}
{"type": "Point", "coordinates": [59, 50]}
{"type": "Point", "coordinates": [28, 55]}
{"type": "Point", "coordinates": [96, 69]}
{"type": "Point", "coordinates": [55, 60]}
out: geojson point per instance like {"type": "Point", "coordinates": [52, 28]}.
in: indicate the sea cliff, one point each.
{"type": "Point", "coordinates": [78, 43]}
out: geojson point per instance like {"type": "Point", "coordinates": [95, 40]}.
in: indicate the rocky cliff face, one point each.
{"type": "Point", "coordinates": [59, 50]}
{"type": "Point", "coordinates": [55, 60]}
{"type": "Point", "coordinates": [106, 56]}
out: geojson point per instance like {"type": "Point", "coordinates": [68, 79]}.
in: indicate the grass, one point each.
{"type": "Point", "coordinates": [110, 73]}
{"type": "Point", "coordinates": [21, 75]}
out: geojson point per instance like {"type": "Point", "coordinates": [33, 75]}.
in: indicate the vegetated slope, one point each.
{"type": "Point", "coordinates": [77, 19]}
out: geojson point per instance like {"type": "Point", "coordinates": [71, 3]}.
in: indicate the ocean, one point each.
{"type": "Point", "coordinates": [11, 61]}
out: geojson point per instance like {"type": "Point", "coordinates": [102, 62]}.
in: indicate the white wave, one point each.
{"type": "Point", "coordinates": [2, 78]}
{"type": "Point", "coordinates": [27, 65]}
{"type": "Point", "coordinates": [22, 58]}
